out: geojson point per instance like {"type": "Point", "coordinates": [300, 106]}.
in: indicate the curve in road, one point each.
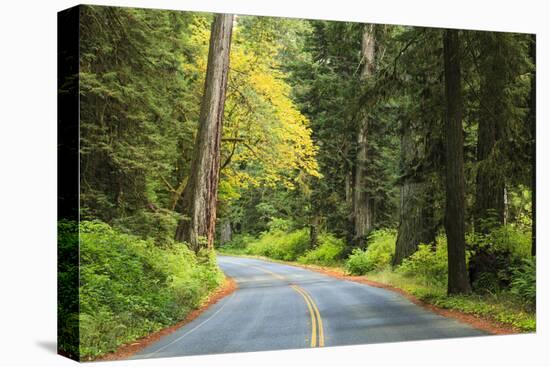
{"type": "Point", "coordinates": [279, 306]}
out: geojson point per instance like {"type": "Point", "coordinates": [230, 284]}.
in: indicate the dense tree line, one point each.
{"type": "Point", "coordinates": [331, 126]}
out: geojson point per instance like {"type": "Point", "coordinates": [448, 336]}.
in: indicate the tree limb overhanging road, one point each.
{"type": "Point", "coordinates": [279, 306]}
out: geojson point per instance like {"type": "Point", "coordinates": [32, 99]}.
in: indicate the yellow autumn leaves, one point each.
{"type": "Point", "coordinates": [266, 139]}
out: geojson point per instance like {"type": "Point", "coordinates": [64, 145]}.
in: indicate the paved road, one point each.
{"type": "Point", "coordinates": [285, 307]}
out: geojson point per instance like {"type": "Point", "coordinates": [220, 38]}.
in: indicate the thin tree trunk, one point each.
{"type": "Point", "coordinates": [225, 232]}
{"type": "Point", "coordinates": [458, 281]}
{"type": "Point", "coordinates": [361, 211]}
{"type": "Point", "coordinates": [201, 192]}
{"type": "Point", "coordinates": [314, 231]}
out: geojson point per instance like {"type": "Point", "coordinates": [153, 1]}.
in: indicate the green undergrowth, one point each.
{"type": "Point", "coordinates": [327, 253]}
{"type": "Point", "coordinates": [288, 246]}
{"type": "Point", "coordinates": [377, 256]}
{"type": "Point", "coordinates": [502, 307]}
{"type": "Point", "coordinates": [131, 287]}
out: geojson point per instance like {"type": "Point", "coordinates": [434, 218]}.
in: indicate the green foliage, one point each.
{"type": "Point", "coordinates": [328, 252]}
{"type": "Point", "coordinates": [496, 254]}
{"type": "Point", "coordinates": [138, 106]}
{"type": "Point", "coordinates": [427, 265]}
{"type": "Point", "coordinates": [499, 307]}
{"type": "Point", "coordinates": [237, 244]}
{"type": "Point", "coordinates": [377, 256]}
{"type": "Point", "coordinates": [524, 282]}
{"type": "Point", "coordinates": [497, 310]}
{"type": "Point", "coordinates": [507, 238]}
{"type": "Point", "coordinates": [521, 207]}
{"type": "Point", "coordinates": [280, 224]}
{"type": "Point", "coordinates": [280, 245]}
{"type": "Point", "coordinates": [159, 225]}
{"type": "Point", "coordinates": [330, 92]}
{"type": "Point", "coordinates": [289, 245]}
{"type": "Point", "coordinates": [130, 287]}
{"type": "Point", "coordinates": [67, 290]}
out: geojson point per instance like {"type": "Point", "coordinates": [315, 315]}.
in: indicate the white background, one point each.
{"type": "Point", "coordinates": [28, 181]}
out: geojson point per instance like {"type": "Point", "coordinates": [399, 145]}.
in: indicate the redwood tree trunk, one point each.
{"type": "Point", "coordinates": [361, 204]}
{"type": "Point", "coordinates": [201, 191]}
{"type": "Point", "coordinates": [415, 213]}
{"type": "Point", "coordinates": [458, 281]}
{"type": "Point", "coordinates": [489, 180]}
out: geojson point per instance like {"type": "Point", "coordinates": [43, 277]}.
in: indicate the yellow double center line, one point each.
{"type": "Point", "coordinates": [315, 317]}
{"type": "Point", "coordinates": [316, 320]}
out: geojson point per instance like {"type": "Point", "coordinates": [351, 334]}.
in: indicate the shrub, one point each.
{"type": "Point", "coordinates": [357, 263]}
{"type": "Point", "coordinates": [129, 287]}
{"type": "Point", "coordinates": [509, 238]}
{"type": "Point", "coordinates": [67, 290]}
{"type": "Point", "coordinates": [159, 225]}
{"type": "Point", "coordinates": [280, 224]}
{"type": "Point", "coordinates": [524, 282]}
{"type": "Point", "coordinates": [238, 242]}
{"type": "Point", "coordinates": [496, 254]}
{"type": "Point", "coordinates": [280, 245]}
{"type": "Point", "coordinates": [427, 265]}
{"type": "Point", "coordinates": [327, 253]}
{"type": "Point", "coordinates": [377, 256]}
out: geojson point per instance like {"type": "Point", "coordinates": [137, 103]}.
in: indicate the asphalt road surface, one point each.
{"type": "Point", "coordinates": [279, 306]}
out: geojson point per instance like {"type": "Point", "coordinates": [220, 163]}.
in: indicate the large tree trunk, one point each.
{"type": "Point", "coordinates": [361, 203]}
{"type": "Point", "coordinates": [415, 224]}
{"type": "Point", "coordinates": [454, 211]}
{"type": "Point", "coordinates": [201, 192]}
{"type": "Point", "coordinates": [490, 181]}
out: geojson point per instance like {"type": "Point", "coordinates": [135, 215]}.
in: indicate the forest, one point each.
{"type": "Point", "coordinates": [403, 154]}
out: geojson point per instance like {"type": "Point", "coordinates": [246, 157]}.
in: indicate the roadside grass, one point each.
{"type": "Point", "coordinates": [501, 307]}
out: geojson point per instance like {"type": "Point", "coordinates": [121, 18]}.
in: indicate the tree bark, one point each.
{"type": "Point", "coordinates": [347, 188]}
{"type": "Point", "coordinates": [200, 194]}
{"type": "Point", "coordinates": [458, 281]}
{"type": "Point", "coordinates": [225, 232]}
{"type": "Point", "coordinates": [415, 224]}
{"type": "Point", "coordinates": [361, 203]}
{"type": "Point", "coordinates": [490, 181]}
{"type": "Point", "coordinates": [314, 231]}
